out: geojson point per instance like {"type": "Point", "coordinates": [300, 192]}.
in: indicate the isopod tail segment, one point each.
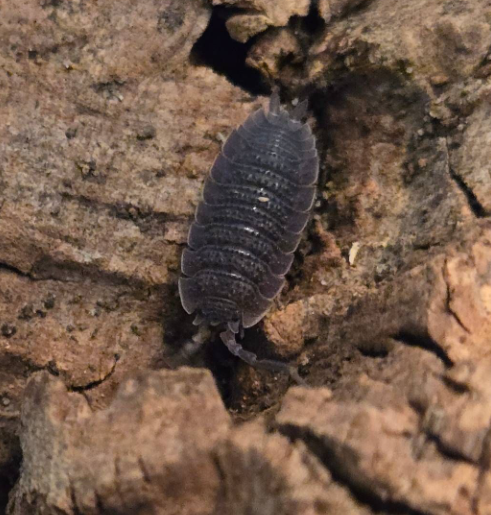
{"type": "Point", "coordinates": [228, 338]}
{"type": "Point", "coordinates": [193, 345]}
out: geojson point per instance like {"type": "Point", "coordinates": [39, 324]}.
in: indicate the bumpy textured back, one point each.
{"type": "Point", "coordinates": [256, 202]}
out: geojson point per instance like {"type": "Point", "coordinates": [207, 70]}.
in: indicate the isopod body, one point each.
{"type": "Point", "coordinates": [256, 203]}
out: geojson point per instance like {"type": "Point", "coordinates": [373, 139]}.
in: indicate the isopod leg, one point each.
{"type": "Point", "coordinates": [192, 346]}
{"type": "Point", "coordinates": [300, 110]}
{"type": "Point", "coordinates": [228, 338]}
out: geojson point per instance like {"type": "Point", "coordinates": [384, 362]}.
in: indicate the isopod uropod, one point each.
{"type": "Point", "coordinates": [256, 203]}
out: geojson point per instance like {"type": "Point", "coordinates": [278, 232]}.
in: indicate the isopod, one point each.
{"type": "Point", "coordinates": [256, 202]}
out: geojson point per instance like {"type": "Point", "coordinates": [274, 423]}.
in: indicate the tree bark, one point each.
{"type": "Point", "coordinates": [111, 116]}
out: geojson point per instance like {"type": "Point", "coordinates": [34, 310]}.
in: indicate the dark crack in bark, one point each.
{"type": "Point", "coordinates": [476, 207]}
{"type": "Point", "coordinates": [340, 465]}
{"type": "Point", "coordinates": [448, 301]}
{"type": "Point", "coordinates": [73, 498]}
{"type": "Point", "coordinates": [143, 468]}
{"type": "Point", "coordinates": [94, 384]}
{"type": "Point", "coordinates": [484, 468]}
{"type": "Point", "coordinates": [424, 342]}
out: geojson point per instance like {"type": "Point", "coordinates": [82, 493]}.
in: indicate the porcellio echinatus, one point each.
{"type": "Point", "coordinates": [256, 203]}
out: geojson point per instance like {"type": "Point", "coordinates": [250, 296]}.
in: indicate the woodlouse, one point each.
{"type": "Point", "coordinates": [256, 203]}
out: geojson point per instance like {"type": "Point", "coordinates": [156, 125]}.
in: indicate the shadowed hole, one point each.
{"type": "Point", "coordinates": [218, 51]}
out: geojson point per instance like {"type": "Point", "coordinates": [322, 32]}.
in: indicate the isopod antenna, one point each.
{"type": "Point", "coordinates": [228, 338]}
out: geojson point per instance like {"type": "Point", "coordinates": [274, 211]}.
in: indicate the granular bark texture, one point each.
{"type": "Point", "coordinates": [166, 445]}
{"type": "Point", "coordinates": [111, 116]}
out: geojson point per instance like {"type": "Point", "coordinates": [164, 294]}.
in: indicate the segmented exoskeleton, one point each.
{"type": "Point", "coordinates": [256, 202]}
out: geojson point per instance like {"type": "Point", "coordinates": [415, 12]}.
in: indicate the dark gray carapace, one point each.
{"type": "Point", "coordinates": [256, 203]}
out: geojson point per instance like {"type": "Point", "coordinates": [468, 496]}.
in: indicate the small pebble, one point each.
{"type": "Point", "coordinates": [8, 330]}
{"type": "Point", "coordinates": [146, 132]}
{"type": "Point", "coordinates": [353, 252]}
{"type": "Point", "coordinates": [71, 132]}
{"type": "Point", "coordinates": [49, 303]}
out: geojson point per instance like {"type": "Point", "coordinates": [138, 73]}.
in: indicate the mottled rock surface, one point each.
{"type": "Point", "coordinates": [111, 116]}
{"type": "Point", "coordinates": [148, 450]}
{"type": "Point", "coordinates": [257, 15]}
{"type": "Point", "coordinates": [165, 445]}
{"type": "Point", "coordinates": [106, 133]}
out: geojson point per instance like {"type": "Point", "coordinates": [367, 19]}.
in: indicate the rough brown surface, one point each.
{"type": "Point", "coordinates": [164, 446]}
{"type": "Point", "coordinates": [111, 116]}
{"type": "Point", "coordinates": [258, 15]}
{"type": "Point", "coordinates": [97, 191]}
{"type": "Point", "coordinates": [146, 451]}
